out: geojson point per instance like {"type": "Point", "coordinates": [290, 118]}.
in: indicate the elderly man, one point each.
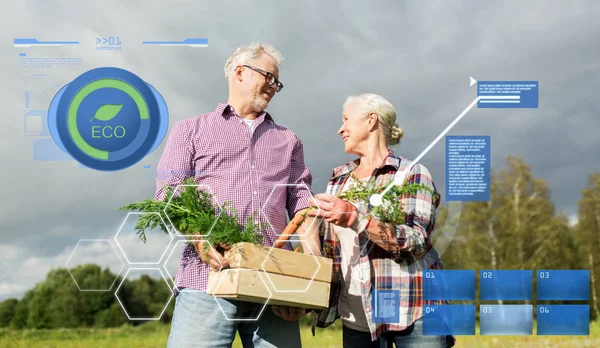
{"type": "Point", "coordinates": [246, 158]}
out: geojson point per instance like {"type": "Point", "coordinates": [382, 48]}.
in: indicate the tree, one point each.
{"type": "Point", "coordinates": [55, 302]}
{"type": "Point", "coordinates": [588, 235]}
{"type": "Point", "coordinates": [20, 319]}
{"type": "Point", "coordinates": [530, 222]}
{"type": "Point", "coordinates": [7, 311]}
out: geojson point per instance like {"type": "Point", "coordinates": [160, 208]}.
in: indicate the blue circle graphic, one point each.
{"type": "Point", "coordinates": [109, 119]}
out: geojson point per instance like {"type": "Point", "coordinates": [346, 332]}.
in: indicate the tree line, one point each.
{"type": "Point", "coordinates": [518, 229]}
{"type": "Point", "coordinates": [57, 302]}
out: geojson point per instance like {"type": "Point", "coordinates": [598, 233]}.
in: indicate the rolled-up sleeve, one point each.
{"type": "Point", "coordinates": [299, 186]}
{"type": "Point", "coordinates": [413, 237]}
{"type": "Point", "coordinates": [176, 163]}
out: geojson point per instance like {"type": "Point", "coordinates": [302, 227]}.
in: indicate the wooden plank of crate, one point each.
{"type": "Point", "coordinates": [279, 261]}
{"type": "Point", "coordinates": [251, 285]}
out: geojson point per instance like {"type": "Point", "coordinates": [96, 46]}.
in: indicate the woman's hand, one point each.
{"type": "Point", "coordinates": [333, 209]}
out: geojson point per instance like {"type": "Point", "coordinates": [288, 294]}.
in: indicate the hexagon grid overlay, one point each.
{"type": "Point", "coordinates": [133, 262]}
{"type": "Point", "coordinates": [129, 316]}
{"type": "Point", "coordinates": [97, 241]}
{"type": "Point", "coordinates": [215, 202]}
{"type": "Point", "coordinates": [280, 187]}
{"type": "Point", "coordinates": [317, 267]}
{"type": "Point", "coordinates": [261, 309]}
{"type": "Point", "coordinates": [168, 264]}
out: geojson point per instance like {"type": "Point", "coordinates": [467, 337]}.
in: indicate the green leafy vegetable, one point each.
{"type": "Point", "coordinates": [192, 212]}
{"type": "Point", "coordinates": [391, 209]}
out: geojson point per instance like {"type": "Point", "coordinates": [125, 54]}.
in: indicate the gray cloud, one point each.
{"type": "Point", "coordinates": [419, 55]}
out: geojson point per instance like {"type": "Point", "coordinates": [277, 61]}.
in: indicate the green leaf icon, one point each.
{"type": "Point", "coordinates": [107, 112]}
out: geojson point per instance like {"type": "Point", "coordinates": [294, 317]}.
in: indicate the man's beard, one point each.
{"type": "Point", "coordinates": [259, 104]}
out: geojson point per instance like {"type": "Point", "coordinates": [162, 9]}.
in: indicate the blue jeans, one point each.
{"type": "Point", "coordinates": [412, 337]}
{"type": "Point", "coordinates": [199, 322]}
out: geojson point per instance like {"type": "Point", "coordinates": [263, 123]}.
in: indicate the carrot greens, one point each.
{"type": "Point", "coordinates": [192, 212]}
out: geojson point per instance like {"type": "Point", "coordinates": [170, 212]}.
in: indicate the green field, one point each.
{"type": "Point", "coordinates": [151, 335]}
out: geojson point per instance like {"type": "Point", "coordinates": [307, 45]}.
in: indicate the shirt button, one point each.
{"type": "Point", "coordinates": [252, 166]}
{"type": "Point", "coordinates": [255, 193]}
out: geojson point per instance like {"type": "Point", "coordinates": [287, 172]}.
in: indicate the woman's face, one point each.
{"type": "Point", "coordinates": [354, 130]}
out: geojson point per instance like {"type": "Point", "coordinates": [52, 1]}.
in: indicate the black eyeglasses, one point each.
{"type": "Point", "coordinates": [269, 78]}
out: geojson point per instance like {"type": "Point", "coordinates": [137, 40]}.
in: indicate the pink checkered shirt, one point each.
{"type": "Point", "coordinates": [261, 172]}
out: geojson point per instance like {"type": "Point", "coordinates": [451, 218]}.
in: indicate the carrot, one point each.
{"type": "Point", "coordinates": [289, 230]}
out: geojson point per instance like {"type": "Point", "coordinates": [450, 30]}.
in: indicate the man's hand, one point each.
{"type": "Point", "coordinates": [288, 313]}
{"type": "Point", "coordinates": [333, 209]}
{"type": "Point", "coordinates": [210, 255]}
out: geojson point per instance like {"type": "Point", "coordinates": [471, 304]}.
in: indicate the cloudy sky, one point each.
{"type": "Point", "coordinates": [418, 54]}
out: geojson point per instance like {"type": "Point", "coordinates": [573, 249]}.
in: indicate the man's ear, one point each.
{"type": "Point", "coordinates": [237, 73]}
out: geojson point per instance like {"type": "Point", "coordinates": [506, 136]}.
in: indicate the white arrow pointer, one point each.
{"type": "Point", "coordinates": [473, 81]}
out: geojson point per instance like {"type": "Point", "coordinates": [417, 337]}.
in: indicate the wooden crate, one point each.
{"type": "Point", "coordinates": [291, 278]}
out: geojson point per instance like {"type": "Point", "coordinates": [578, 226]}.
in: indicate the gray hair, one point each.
{"type": "Point", "coordinates": [247, 54]}
{"type": "Point", "coordinates": [386, 114]}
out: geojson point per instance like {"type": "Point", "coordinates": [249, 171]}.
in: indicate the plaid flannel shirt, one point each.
{"type": "Point", "coordinates": [399, 270]}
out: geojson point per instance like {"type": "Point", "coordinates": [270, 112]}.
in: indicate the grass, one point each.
{"type": "Point", "coordinates": [155, 335]}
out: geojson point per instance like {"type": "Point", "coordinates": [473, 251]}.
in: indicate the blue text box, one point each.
{"type": "Point", "coordinates": [563, 319]}
{"type": "Point", "coordinates": [468, 168]}
{"type": "Point", "coordinates": [506, 285]}
{"type": "Point", "coordinates": [449, 285]}
{"type": "Point", "coordinates": [507, 94]}
{"type": "Point", "coordinates": [565, 285]}
{"type": "Point", "coordinates": [386, 306]}
{"type": "Point", "coordinates": [448, 320]}
{"type": "Point", "coordinates": [506, 319]}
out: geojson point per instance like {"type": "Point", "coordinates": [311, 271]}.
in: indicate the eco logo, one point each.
{"type": "Point", "coordinates": [108, 119]}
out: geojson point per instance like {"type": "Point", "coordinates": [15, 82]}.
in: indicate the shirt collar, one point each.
{"type": "Point", "coordinates": [391, 160]}
{"type": "Point", "coordinates": [227, 110]}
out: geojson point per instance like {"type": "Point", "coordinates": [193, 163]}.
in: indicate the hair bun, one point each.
{"type": "Point", "coordinates": [397, 132]}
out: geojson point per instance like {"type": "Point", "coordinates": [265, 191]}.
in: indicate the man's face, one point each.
{"type": "Point", "coordinates": [255, 85]}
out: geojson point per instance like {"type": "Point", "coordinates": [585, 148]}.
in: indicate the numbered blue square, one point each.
{"type": "Point", "coordinates": [448, 320]}
{"type": "Point", "coordinates": [515, 285]}
{"type": "Point", "coordinates": [506, 320]}
{"type": "Point", "coordinates": [563, 320]}
{"type": "Point", "coordinates": [447, 285]}
{"type": "Point", "coordinates": [563, 285]}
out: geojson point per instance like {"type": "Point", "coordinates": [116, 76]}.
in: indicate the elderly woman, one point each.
{"type": "Point", "coordinates": [369, 254]}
